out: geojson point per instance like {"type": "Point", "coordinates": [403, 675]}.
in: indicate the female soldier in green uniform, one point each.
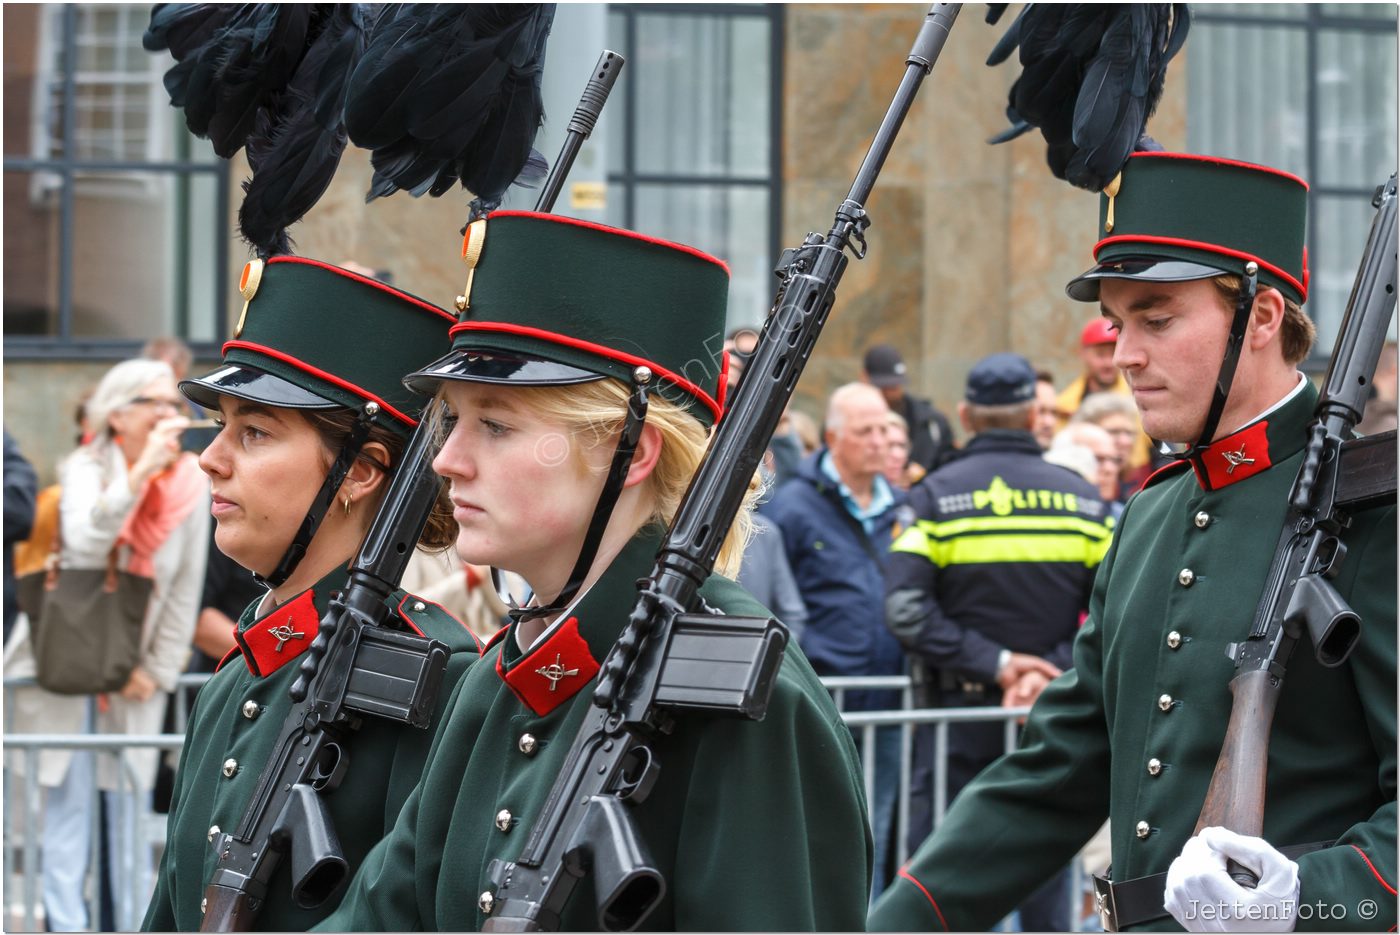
{"type": "Point", "coordinates": [754, 825]}
{"type": "Point", "coordinates": [309, 355]}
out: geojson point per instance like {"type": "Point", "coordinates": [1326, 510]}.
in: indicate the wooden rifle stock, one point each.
{"type": "Point", "coordinates": [228, 910]}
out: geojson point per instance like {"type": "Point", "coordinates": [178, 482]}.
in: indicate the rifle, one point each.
{"type": "Point", "coordinates": [670, 660]}
{"type": "Point", "coordinates": [359, 664]}
{"type": "Point", "coordinates": [1298, 594]}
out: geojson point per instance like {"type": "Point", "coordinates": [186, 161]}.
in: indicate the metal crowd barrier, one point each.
{"type": "Point", "coordinates": [24, 802]}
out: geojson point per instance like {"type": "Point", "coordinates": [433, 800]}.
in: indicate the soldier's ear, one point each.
{"type": "Point", "coordinates": [1266, 319]}
{"type": "Point", "coordinates": [645, 458]}
{"type": "Point", "coordinates": [365, 475]}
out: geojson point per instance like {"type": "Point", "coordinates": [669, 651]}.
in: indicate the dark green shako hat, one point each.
{"type": "Point", "coordinates": [315, 336]}
{"type": "Point", "coordinates": [554, 300]}
{"type": "Point", "coordinates": [1173, 217]}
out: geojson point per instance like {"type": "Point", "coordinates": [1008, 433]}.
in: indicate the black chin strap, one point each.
{"type": "Point", "coordinates": [607, 499]}
{"type": "Point", "coordinates": [1233, 345]}
{"type": "Point", "coordinates": [324, 498]}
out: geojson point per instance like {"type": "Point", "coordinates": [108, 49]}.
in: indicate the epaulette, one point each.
{"type": "Point", "coordinates": [1163, 472]}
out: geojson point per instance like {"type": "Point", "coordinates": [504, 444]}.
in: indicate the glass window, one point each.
{"type": "Point", "coordinates": [691, 150]}
{"type": "Point", "coordinates": [115, 217]}
{"type": "Point", "coordinates": [1310, 89]}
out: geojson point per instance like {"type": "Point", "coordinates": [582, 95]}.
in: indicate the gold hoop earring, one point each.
{"type": "Point", "coordinates": [346, 501]}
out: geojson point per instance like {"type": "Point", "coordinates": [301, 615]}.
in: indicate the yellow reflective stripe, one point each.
{"type": "Point", "coordinates": [1014, 523]}
{"type": "Point", "coordinates": [912, 540]}
{"type": "Point", "coordinates": [990, 549]}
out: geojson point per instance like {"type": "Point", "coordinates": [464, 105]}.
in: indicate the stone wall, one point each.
{"type": "Point", "coordinates": [970, 244]}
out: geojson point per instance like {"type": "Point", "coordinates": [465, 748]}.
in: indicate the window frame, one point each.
{"type": "Point", "coordinates": [71, 172]}
{"type": "Point", "coordinates": [628, 178]}
{"type": "Point", "coordinates": [1313, 23]}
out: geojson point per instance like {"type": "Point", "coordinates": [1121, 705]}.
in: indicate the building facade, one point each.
{"type": "Point", "coordinates": [734, 127]}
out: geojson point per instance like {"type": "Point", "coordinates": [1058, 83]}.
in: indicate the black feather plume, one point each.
{"type": "Point", "coordinates": [451, 93]}
{"type": "Point", "coordinates": [1092, 75]}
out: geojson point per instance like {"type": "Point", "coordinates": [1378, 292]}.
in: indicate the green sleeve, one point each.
{"type": "Point", "coordinates": [1359, 873]}
{"type": "Point", "coordinates": [160, 914]}
{"type": "Point", "coordinates": [1026, 815]}
{"type": "Point", "coordinates": [791, 852]}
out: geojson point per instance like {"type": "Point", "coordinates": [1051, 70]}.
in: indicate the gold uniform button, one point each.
{"type": "Point", "coordinates": [230, 767]}
{"type": "Point", "coordinates": [1143, 829]}
{"type": "Point", "coordinates": [528, 744]}
{"type": "Point", "coordinates": [1165, 702]}
{"type": "Point", "coordinates": [251, 709]}
{"type": "Point", "coordinates": [1154, 766]}
{"type": "Point", "coordinates": [1186, 577]}
{"type": "Point", "coordinates": [503, 819]}
{"type": "Point", "coordinates": [1173, 640]}
{"type": "Point", "coordinates": [1202, 519]}
{"type": "Point", "coordinates": [486, 902]}
{"type": "Point", "coordinates": [419, 606]}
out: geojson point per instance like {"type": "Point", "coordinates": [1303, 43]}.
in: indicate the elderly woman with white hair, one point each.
{"type": "Point", "coordinates": [132, 489]}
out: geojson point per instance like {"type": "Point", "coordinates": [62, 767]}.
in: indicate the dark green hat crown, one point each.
{"type": "Point", "coordinates": [1178, 216]}
{"type": "Point", "coordinates": [315, 336]}
{"type": "Point", "coordinates": [554, 300]}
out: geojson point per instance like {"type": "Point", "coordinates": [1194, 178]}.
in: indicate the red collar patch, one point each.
{"type": "Point", "coordinates": [1234, 457]}
{"type": "Point", "coordinates": [552, 672]}
{"type": "Point", "coordinates": [278, 638]}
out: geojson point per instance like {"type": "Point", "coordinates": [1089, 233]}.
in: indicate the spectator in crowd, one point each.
{"type": "Point", "coordinates": [1380, 417]}
{"type": "Point", "coordinates": [1047, 419]}
{"type": "Point", "coordinates": [766, 574]}
{"type": "Point", "coordinates": [986, 588]}
{"type": "Point", "coordinates": [898, 455]}
{"type": "Point", "coordinates": [837, 519]}
{"type": "Point", "coordinates": [1100, 375]}
{"type": "Point", "coordinates": [228, 590]}
{"type": "Point", "coordinates": [1384, 381]}
{"type": "Point", "coordinates": [132, 489]}
{"type": "Point", "coordinates": [177, 354]}
{"type": "Point", "coordinates": [464, 591]}
{"type": "Point", "coordinates": [21, 488]}
{"type": "Point", "coordinates": [296, 484]}
{"type": "Point", "coordinates": [1104, 462]}
{"type": "Point", "coordinates": [930, 435]}
{"type": "Point", "coordinates": [805, 428]}
{"type": "Point", "coordinates": [1117, 416]}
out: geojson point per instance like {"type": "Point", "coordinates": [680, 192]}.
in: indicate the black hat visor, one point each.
{"type": "Point", "coordinates": [476, 366]}
{"type": "Point", "coordinates": [259, 386]}
{"type": "Point", "coordinates": [1085, 286]}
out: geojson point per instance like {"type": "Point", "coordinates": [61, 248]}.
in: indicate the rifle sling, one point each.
{"type": "Point", "coordinates": [1366, 477]}
{"type": "Point", "coordinates": [1133, 902]}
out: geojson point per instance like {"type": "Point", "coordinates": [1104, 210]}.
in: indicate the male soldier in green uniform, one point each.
{"type": "Point", "coordinates": [1133, 731]}
{"type": "Point", "coordinates": [311, 351]}
{"type": "Point", "coordinates": [752, 824]}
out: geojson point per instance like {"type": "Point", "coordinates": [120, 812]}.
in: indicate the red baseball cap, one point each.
{"type": "Point", "coordinates": [1098, 331]}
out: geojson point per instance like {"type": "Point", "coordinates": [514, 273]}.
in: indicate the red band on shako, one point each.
{"type": "Point", "coordinates": [630, 360]}
{"type": "Point", "coordinates": [279, 637]}
{"type": "Point", "coordinates": [321, 374]}
{"type": "Point", "coordinates": [1209, 247]}
{"type": "Point", "coordinates": [553, 672]}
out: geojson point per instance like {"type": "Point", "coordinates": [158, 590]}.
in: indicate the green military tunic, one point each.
{"type": "Point", "coordinates": [755, 825]}
{"type": "Point", "coordinates": [1133, 731]}
{"type": "Point", "coordinates": [235, 723]}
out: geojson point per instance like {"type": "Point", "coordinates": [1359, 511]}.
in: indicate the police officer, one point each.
{"type": "Point", "coordinates": [316, 348]}
{"type": "Point", "coordinates": [986, 588]}
{"type": "Point", "coordinates": [572, 334]}
{"type": "Point", "coordinates": [1134, 730]}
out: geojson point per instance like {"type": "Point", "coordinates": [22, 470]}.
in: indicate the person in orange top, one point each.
{"type": "Point", "coordinates": [1097, 341]}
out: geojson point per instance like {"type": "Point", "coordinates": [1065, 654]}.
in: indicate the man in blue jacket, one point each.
{"type": "Point", "coordinates": [838, 517]}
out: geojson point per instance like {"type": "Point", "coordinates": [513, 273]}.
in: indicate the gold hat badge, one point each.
{"type": "Point", "coordinates": [1111, 190]}
{"type": "Point", "coordinates": [473, 239]}
{"type": "Point", "coordinates": [248, 287]}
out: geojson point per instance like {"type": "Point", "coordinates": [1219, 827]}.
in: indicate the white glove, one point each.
{"type": "Point", "coordinates": [1203, 898]}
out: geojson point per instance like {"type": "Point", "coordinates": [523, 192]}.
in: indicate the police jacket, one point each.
{"type": "Point", "coordinates": [1133, 731]}
{"type": "Point", "coordinates": [1002, 555]}
{"type": "Point", "coordinates": [840, 572]}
